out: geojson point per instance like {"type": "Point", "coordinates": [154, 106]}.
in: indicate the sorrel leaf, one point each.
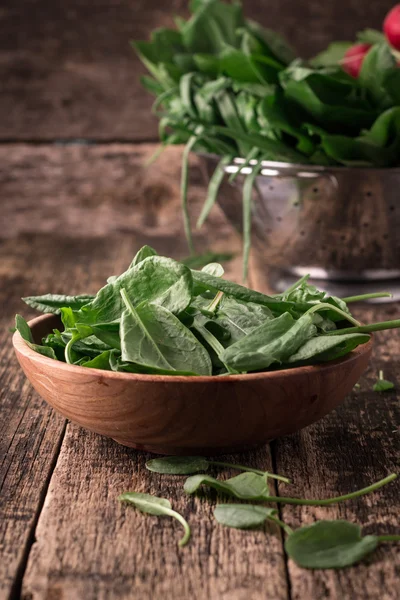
{"type": "Point", "coordinates": [159, 507]}
{"type": "Point", "coordinates": [152, 336]}
{"type": "Point", "coordinates": [329, 545]}
{"type": "Point", "coordinates": [242, 516]}
{"type": "Point", "coordinates": [246, 486]}
{"type": "Point", "coordinates": [52, 303]}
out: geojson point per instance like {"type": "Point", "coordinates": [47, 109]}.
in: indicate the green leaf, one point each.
{"type": "Point", "coordinates": [152, 336]}
{"type": "Point", "coordinates": [214, 269]}
{"type": "Point", "coordinates": [200, 260]}
{"type": "Point", "coordinates": [52, 303]}
{"type": "Point", "coordinates": [378, 146]}
{"type": "Point", "coordinates": [274, 149]}
{"type": "Point", "coordinates": [247, 106]}
{"type": "Point", "coordinates": [25, 332]}
{"type": "Point", "coordinates": [273, 43]}
{"type": "Point", "coordinates": [329, 545]}
{"type": "Point", "coordinates": [246, 486]}
{"type": "Point", "coordinates": [242, 516]}
{"type": "Point", "coordinates": [227, 107]}
{"type": "Point", "coordinates": [206, 282]}
{"type": "Point", "coordinates": [108, 333]}
{"type": "Point", "coordinates": [382, 385]}
{"type": "Point", "coordinates": [166, 74]}
{"type": "Point", "coordinates": [328, 101]}
{"type": "Point", "coordinates": [391, 83]}
{"type": "Point", "coordinates": [186, 89]}
{"type": "Point", "coordinates": [212, 25]}
{"type": "Point", "coordinates": [185, 465]}
{"type": "Point", "coordinates": [155, 279]}
{"type": "Point", "coordinates": [102, 361]}
{"type": "Point", "coordinates": [272, 114]}
{"type": "Point", "coordinates": [272, 342]}
{"type": "Point", "coordinates": [151, 85]}
{"type": "Point", "coordinates": [178, 465]}
{"type": "Point", "coordinates": [243, 68]}
{"type": "Point", "coordinates": [302, 291]}
{"type": "Point", "coordinates": [210, 341]}
{"type": "Point", "coordinates": [371, 36]}
{"type": "Point", "coordinates": [325, 348]}
{"type": "Point", "coordinates": [240, 318]}
{"type": "Point", "coordinates": [384, 137]}
{"type": "Point", "coordinates": [153, 505]}
{"type": "Point", "coordinates": [376, 64]}
{"type": "Point", "coordinates": [234, 63]}
{"type": "Point", "coordinates": [332, 56]}
{"type": "Point", "coordinates": [57, 343]}
{"type": "Point", "coordinates": [144, 252]}
{"type": "Point", "coordinates": [118, 365]}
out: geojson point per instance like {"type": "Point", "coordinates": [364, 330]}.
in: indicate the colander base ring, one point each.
{"type": "Point", "coordinates": [280, 280]}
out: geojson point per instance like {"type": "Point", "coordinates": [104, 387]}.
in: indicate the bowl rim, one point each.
{"type": "Point", "coordinates": [290, 168]}
{"type": "Point", "coordinates": [21, 347]}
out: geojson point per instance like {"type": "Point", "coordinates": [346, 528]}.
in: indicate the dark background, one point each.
{"type": "Point", "coordinates": [67, 71]}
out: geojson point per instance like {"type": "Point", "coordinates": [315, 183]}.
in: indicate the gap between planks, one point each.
{"type": "Point", "coordinates": [16, 589]}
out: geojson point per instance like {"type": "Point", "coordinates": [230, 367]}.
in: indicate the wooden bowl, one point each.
{"type": "Point", "coordinates": [189, 415]}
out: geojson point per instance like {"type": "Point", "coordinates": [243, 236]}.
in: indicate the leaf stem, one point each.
{"type": "Point", "coordinates": [68, 348]}
{"type": "Point", "coordinates": [328, 501]}
{"type": "Point", "coordinates": [184, 191]}
{"type": "Point", "coordinates": [214, 303]}
{"type": "Point", "coordinates": [388, 538]}
{"type": "Point", "coordinates": [383, 325]}
{"type": "Point", "coordinates": [213, 188]}
{"type": "Point", "coordinates": [285, 527]}
{"type": "Point", "coordinates": [295, 285]}
{"type": "Point", "coordinates": [251, 156]}
{"type": "Point", "coordinates": [326, 306]}
{"type": "Point", "coordinates": [362, 297]}
{"type": "Point", "coordinates": [186, 537]}
{"type": "Point", "coordinates": [247, 203]}
{"type": "Point", "coordinates": [249, 469]}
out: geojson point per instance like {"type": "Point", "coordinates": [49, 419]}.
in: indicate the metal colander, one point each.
{"type": "Point", "coordinates": [341, 225]}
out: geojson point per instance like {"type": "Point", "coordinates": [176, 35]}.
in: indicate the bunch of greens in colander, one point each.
{"type": "Point", "coordinates": [162, 317]}
{"type": "Point", "coordinates": [227, 86]}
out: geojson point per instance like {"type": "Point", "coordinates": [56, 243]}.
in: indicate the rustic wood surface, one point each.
{"type": "Point", "coordinates": [67, 70]}
{"type": "Point", "coordinates": [71, 216]}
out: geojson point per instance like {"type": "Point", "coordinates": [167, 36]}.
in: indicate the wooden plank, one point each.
{"type": "Point", "coordinates": [352, 447]}
{"type": "Point", "coordinates": [91, 191]}
{"type": "Point", "coordinates": [67, 70]}
{"type": "Point", "coordinates": [88, 546]}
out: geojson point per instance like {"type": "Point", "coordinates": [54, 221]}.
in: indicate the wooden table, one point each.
{"type": "Point", "coordinates": [71, 216]}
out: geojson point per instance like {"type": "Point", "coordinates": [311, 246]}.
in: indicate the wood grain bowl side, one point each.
{"type": "Point", "coordinates": [189, 415]}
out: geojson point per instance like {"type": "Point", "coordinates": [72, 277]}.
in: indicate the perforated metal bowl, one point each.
{"type": "Point", "coordinates": [341, 225]}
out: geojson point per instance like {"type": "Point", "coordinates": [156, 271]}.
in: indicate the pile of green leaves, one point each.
{"type": "Point", "coordinates": [225, 85]}
{"type": "Point", "coordinates": [322, 545]}
{"type": "Point", "coordinates": [162, 317]}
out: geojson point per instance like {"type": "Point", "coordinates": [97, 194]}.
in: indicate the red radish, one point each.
{"type": "Point", "coordinates": [353, 59]}
{"type": "Point", "coordinates": [391, 27]}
